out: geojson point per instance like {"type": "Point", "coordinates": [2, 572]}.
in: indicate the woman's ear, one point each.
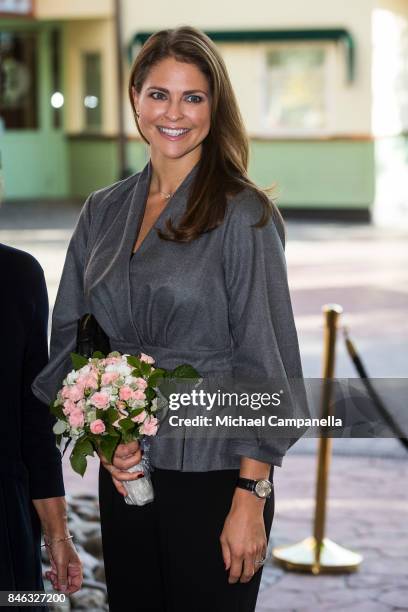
{"type": "Point", "coordinates": [135, 96]}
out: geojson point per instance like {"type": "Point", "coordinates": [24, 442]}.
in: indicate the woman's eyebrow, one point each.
{"type": "Point", "coordinates": [189, 91]}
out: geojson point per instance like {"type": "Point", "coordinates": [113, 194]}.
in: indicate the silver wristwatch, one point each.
{"type": "Point", "coordinates": [261, 488]}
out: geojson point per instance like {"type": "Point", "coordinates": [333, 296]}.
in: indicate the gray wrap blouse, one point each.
{"type": "Point", "coordinates": [220, 303]}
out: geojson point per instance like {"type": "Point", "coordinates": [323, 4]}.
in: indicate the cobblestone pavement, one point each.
{"type": "Point", "coordinates": [367, 512]}
{"type": "Point", "coordinates": [365, 269]}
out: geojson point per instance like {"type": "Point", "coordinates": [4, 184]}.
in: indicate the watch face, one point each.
{"type": "Point", "coordinates": [263, 488]}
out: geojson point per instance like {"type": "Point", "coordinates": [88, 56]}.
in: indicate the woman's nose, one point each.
{"type": "Point", "coordinates": [173, 111]}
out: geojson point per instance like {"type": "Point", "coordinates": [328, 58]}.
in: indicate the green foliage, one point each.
{"type": "Point", "coordinates": [57, 411]}
{"type": "Point", "coordinates": [156, 377]}
{"type": "Point", "coordinates": [185, 371]}
{"type": "Point", "coordinates": [108, 445]}
{"type": "Point", "coordinates": [78, 361]}
{"type": "Point", "coordinates": [83, 447]}
{"type": "Point", "coordinates": [126, 424]}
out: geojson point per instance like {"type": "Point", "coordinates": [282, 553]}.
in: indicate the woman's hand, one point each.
{"type": "Point", "coordinates": [125, 457]}
{"type": "Point", "coordinates": [243, 539]}
{"type": "Point", "coordinates": [66, 567]}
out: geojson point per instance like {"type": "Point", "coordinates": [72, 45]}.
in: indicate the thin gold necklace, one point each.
{"type": "Point", "coordinates": [166, 195]}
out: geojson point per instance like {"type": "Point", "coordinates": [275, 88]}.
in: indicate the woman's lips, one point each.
{"type": "Point", "coordinates": [173, 134]}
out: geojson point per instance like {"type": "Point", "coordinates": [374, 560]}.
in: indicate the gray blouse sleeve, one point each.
{"type": "Point", "coordinates": [264, 338]}
{"type": "Point", "coordinates": [69, 307]}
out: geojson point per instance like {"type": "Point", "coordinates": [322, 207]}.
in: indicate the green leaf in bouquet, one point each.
{"type": "Point", "coordinates": [84, 446]}
{"type": "Point", "coordinates": [133, 361]}
{"type": "Point", "coordinates": [135, 412]}
{"type": "Point", "coordinates": [108, 445]}
{"type": "Point", "coordinates": [57, 411]}
{"type": "Point", "coordinates": [126, 424]}
{"type": "Point", "coordinates": [78, 361]}
{"type": "Point", "coordinates": [156, 377]}
{"type": "Point", "coordinates": [111, 415]}
{"type": "Point", "coordinates": [150, 394]}
{"type": "Point", "coordinates": [78, 462]}
{"type": "Point", "coordinates": [137, 372]}
{"type": "Point", "coordinates": [185, 371]}
{"type": "Point", "coordinates": [98, 355]}
{"type": "Point", "coordinates": [145, 368]}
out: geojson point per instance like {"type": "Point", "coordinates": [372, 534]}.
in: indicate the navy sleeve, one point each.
{"type": "Point", "coordinates": [40, 453]}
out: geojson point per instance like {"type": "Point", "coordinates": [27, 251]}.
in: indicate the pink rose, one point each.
{"type": "Point", "coordinates": [139, 418]}
{"type": "Point", "coordinates": [150, 426]}
{"type": "Point", "coordinates": [91, 381]}
{"type": "Point", "coordinates": [76, 419]}
{"type": "Point", "coordinates": [138, 395]}
{"type": "Point", "coordinates": [65, 392]}
{"type": "Point", "coordinates": [146, 358]}
{"type": "Point", "coordinates": [88, 381]}
{"type": "Point", "coordinates": [97, 426]}
{"type": "Point", "coordinates": [69, 406]}
{"type": "Point", "coordinates": [112, 360]}
{"type": "Point", "coordinates": [125, 393]}
{"type": "Point", "coordinates": [141, 383]}
{"type": "Point", "coordinates": [109, 377]}
{"type": "Point", "coordinates": [76, 393]}
{"type": "Point", "coordinates": [100, 400]}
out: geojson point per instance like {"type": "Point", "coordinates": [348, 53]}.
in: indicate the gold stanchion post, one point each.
{"type": "Point", "coordinates": [317, 554]}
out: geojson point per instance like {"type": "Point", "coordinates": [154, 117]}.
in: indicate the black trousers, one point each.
{"type": "Point", "coordinates": [166, 556]}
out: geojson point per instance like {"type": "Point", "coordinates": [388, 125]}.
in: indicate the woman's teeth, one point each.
{"type": "Point", "coordinates": [171, 132]}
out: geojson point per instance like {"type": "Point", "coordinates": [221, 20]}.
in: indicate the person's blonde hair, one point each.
{"type": "Point", "coordinates": [223, 164]}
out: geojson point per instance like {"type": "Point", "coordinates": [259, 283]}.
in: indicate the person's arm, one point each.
{"type": "Point", "coordinates": [40, 454]}
{"type": "Point", "coordinates": [66, 573]}
{"type": "Point", "coordinates": [265, 348]}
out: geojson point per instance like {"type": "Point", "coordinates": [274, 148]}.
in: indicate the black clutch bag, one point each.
{"type": "Point", "coordinates": [91, 337]}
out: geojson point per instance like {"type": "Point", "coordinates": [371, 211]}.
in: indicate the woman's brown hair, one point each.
{"type": "Point", "coordinates": [222, 169]}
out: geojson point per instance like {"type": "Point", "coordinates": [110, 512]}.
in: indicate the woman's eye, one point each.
{"type": "Point", "coordinates": [157, 95]}
{"type": "Point", "coordinates": [193, 98]}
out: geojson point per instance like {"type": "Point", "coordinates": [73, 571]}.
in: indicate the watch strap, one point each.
{"type": "Point", "coordinates": [247, 484]}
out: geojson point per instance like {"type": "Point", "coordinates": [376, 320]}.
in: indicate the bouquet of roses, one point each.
{"type": "Point", "coordinates": [106, 401]}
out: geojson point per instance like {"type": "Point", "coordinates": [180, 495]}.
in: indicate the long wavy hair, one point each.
{"type": "Point", "coordinates": [222, 169]}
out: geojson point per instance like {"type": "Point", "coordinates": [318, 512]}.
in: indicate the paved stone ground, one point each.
{"type": "Point", "coordinates": [365, 269]}
{"type": "Point", "coordinates": [367, 512]}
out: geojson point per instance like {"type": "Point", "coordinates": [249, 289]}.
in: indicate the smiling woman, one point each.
{"type": "Point", "coordinates": [207, 286]}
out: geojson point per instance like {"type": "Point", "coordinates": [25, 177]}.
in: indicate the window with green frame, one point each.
{"type": "Point", "coordinates": [18, 80]}
{"type": "Point", "coordinates": [296, 92]}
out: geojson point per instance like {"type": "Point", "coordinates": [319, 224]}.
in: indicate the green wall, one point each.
{"type": "Point", "coordinates": [93, 163]}
{"type": "Point", "coordinates": [317, 174]}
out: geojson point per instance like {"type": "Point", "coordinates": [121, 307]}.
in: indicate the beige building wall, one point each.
{"type": "Point", "coordinates": [350, 103]}
{"type": "Point", "coordinates": [90, 36]}
{"type": "Point", "coordinates": [73, 9]}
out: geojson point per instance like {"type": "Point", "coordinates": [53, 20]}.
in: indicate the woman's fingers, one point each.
{"type": "Point", "coordinates": [119, 486]}
{"type": "Point", "coordinates": [123, 476]}
{"type": "Point", "coordinates": [226, 554]}
{"type": "Point", "coordinates": [126, 463]}
{"type": "Point", "coordinates": [249, 568]}
{"type": "Point", "coordinates": [236, 568]}
{"type": "Point", "coordinates": [126, 450]}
